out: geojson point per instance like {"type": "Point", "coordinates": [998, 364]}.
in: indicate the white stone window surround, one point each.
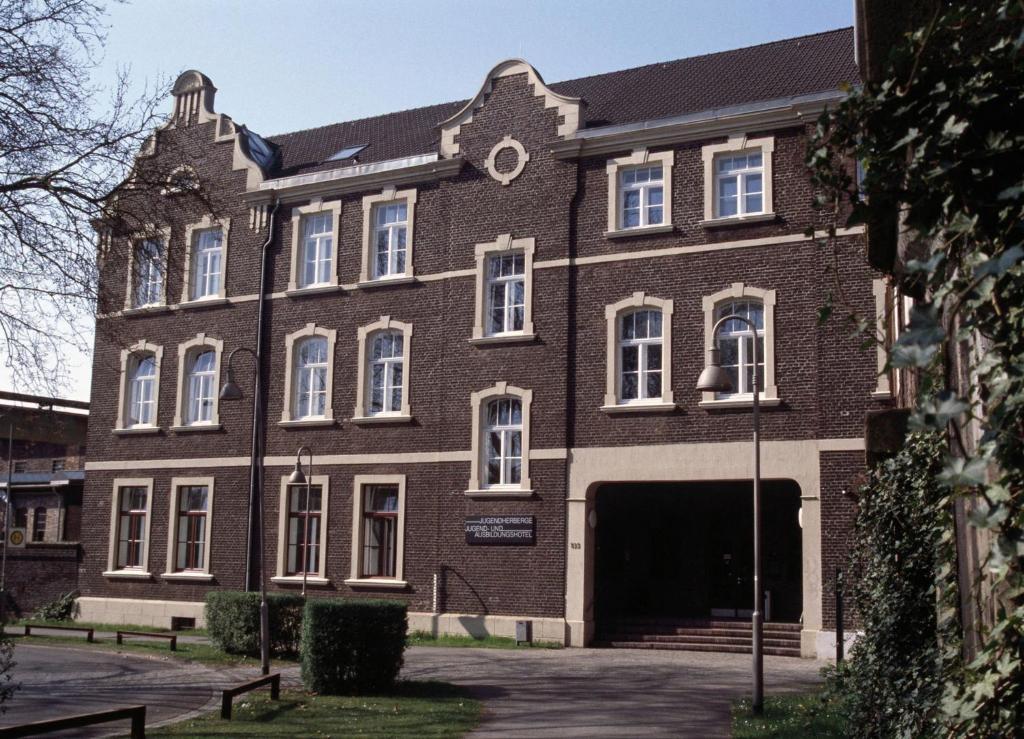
{"type": "Point", "coordinates": [639, 158]}
{"type": "Point", "coordinates": [140, 347]}
{"type": "Point", "coordinates": [316, 207]}
{"type": "Point", "coordinates": [150, 232]}
{"type": "Point", "coordinates": [359, 485]}
{"type": "Point", "coordinates": [613, 357]}
{"type": "Point", "coordinates": [739, 291]}
{"type": "Point", "coordinates": [883, 338]}
{"type": "Point", "coordinates": [192, 231]}
{"type": "Point", "coordinates": [387, 196]}
{"type": "Point", "coordinates": [290, 342]}
{"type": "Point", "coordinates": [365, 336]}
{"type": "Point", "coordinates": [133, 573]}
{"type": "Point", "coordinates": [170, 571]}
{"type": "Point", "coordinates": [323, 482]}
{"type": "Point", "coordinates": [736, 144]}
{"type": "Point", "coordinates": [186, 351]}
{"type": "Point", "coordinates": [504, 243]}
{"type": "Point", "coordinates": [479, 401]}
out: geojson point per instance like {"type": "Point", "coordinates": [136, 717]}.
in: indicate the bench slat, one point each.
{"type": "Point", "coordinates": [137, 714]}
{"type": "Point", "coordinates": [229, 693]}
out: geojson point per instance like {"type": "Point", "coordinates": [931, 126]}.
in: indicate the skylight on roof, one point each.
{"type": "Point", "coordinates": [347, 153]}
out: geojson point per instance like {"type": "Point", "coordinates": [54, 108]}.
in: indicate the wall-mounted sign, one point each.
{"type": "Point", "coordinates": [500, 530]}
{"type": "Point", "coordinates": [16, 538]}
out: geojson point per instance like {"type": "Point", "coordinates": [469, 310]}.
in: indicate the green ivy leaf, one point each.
{"type": "Point", "coordinates": [960, 472]}
{"type": "Point", "coordinates": [954, 128]}
{"type": "Point", "coordinates": [935, 413]}
{"type": "Point", "coordinates": [1000, 264]}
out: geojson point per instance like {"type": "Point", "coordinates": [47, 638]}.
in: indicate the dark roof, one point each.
{"type": "Point", "coordinates": [819, 62]}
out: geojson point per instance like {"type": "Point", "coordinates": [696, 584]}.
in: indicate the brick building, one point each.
{"type": "Point", "coordinates": [47, 472]}
{"type": "Point", "coordinates": [488, 313]}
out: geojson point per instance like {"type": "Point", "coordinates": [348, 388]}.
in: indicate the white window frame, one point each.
{"type": "Point", "coordinates": [299, 216]}
{"type": "Point", "coordinates": [484, 252]}
{"type": "Point", "coordinates": [186, 351]}
{"type": "Point", "coordinates": [192, 231]}
{"type": "Point", "coordinates": [366, 335]}
{"type": "Point", "coordinates": [291, 342]}
{"type": "Point", "coordinates": [320, 578]}
{"type": "Point", "coordinates": [150, 233]}
{"type": "Point", "coordinates": [640, 158]}
{"type": "Point", "coordinates": [359, 485]}
{"type": "Point", "coordinates": [737, 144]}
{"type": "Point", "coordinates": [367, 271]}
{"type": "Point", "coordinates": [479, 401]}
{"type": "Point", "coordinates": [171, 572]}
{"type": "Point", "coordinates": [883, 338]}
{"type": "Point", "coordinates": [613, 313]}
{"type": "Point", "coordinates": [129, 573]}
{"type": "Point", "coordinates": [740, 291]}
{"type": "Point", "coordinates": [124, 389]}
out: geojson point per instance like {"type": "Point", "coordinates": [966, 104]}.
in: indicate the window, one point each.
{"type": "Point", "coordinates": [311, 378]}
{"type": "Point", "coordinates": [131, 527]}
{"type": "Point", "coordinates": [315, 230]}
{"type": "Point", "coordinates": [206, 259]}
{"type": "Point", "coordinates": [504, 291]}
{"type": "Point", "coordinates": [501, 441]}
{"type": "Point", "coordinates": [382, 393]}
{"type": "Point", "coordinates": [20, 466]}
{"type": "Point", "coordinates": [148, 273]}
{"type": "Point", "coordinates": [378, 523]}
{"type": "Point", "coordinates": [738, 178]}
{"type": "Point", "coordinates": [57, 465]}
{"type": "Point", "coordinates": [39, 524]}
{"type": "Point", "coordinates": [387, 236]}
{"type": "Point", "coordinates": [736, 341]}
{"type": "Point", "coordinates": [639, 192]}
{"type": "Point", "coordinates": [309, 353]}
{"type": "Point", "coordinates": [303, 530]}
{"type": "Point", "coordinates": [21, 518]}
{"type": "Point", "coordinates": [639, 351]}
{"type": "Point", "coordinates": [198, 384]}
{"type": "Point", "coordinates": [191, 544]}
{"type": "Point", "coordinates": [640, 360]}
{"type": "Point", "coordinates": [139, 391]}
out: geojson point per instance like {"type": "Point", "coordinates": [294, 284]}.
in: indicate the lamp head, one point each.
{"type": "Point", "coordinates": [297, 477]}
{"type": "Point", "coordinates": [230, 389]}
{"type": "Point", "coordinates": [713, 378]}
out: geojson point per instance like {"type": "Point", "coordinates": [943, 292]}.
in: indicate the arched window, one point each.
{"type": "Point", "coordinates": [736, 341]}
{"type": "Point", "coordinates": [311, 378]}
{"type": "Point", "coordinates": [503, 442]}
{"type": "Point", "coordinates": [387, 366]}
{"type": "Point", "coordinates": [640, 355]}
{"type": "Point", "coordinates": [21, 518]}
{"type": "Point", "coordinates": [201, 387]}
{"type": "Point", "coordinates": [39, 524]}
{"type": "Point", "coordinates": [142, 391]}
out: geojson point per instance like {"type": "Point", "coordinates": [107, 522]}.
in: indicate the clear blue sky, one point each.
{"type": "Point", "coordinates": [287, 65]}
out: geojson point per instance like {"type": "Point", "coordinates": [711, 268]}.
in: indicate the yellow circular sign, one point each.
{"type": "Point", "coordinates": [17, 538]}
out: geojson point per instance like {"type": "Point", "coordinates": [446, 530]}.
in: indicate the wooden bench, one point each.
{"type": "Point", "coordinates": [173, 638]}
{"type": "Point", "coordinates": [137, 714]}
{"type": "Point", "coordinates": [88, 632]}
{"type": "Point", "coordinates": [227, 695]}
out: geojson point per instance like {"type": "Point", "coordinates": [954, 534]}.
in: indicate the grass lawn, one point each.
{"type": "Point", "coordinates": [425, 639]}
{"type": "Point", "coordinates": [415, 709]}
{"type": "Point", "coordinates": [791, 717]}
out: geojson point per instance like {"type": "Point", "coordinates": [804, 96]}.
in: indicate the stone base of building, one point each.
{"type": "Point", "coordinates": [139, 611]}
{"type": "Point", "coordinates": [825, 643]}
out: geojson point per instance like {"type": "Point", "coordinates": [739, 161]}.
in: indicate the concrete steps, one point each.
{"type": "Point", "coordinates": [780, 639]}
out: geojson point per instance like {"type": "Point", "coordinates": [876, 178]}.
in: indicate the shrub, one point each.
{"type": "Point", "coordinates": [352, 646]}
{"type": "Point", "coordinates": [61, 609]}
{"type": "Point", "coordinates": [233, 622]}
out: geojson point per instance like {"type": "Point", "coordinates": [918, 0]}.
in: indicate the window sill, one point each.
{"type": "Point", "coordinates": [746, 402]}
{"type": "Point", "coordinates": [623, 233]}
{"type": "Point", "coordinates": [738, 220]}
{"type": "Point", "coordinates": [298, 292]}
{"type": "Point", "coordinates": [381, 418]}
{"type": "Point", "coordinates": [196, 427]}
{"type": "Point", "coordinates": [498, 493]}
{"type": "Point", "coordinates": [881, 394]}
{"type": "Point", "coordinates": [202, 303]}
{"type": "Point", "coordinates": [143, 310]}
{"type": "Point", "coordinates": [297, 580]}
{"type": "Point", "coordinates": [370, 582]}
{"type": "Point", "coordinates": [127, 575]}
{"type": "Point", "coordinates": [387, 281]}
{"type": "Point", "coordinates": [188, 576]}
{"type": "Point", "coordinates": [306, 423]}
{"type": "Point", "coordinates": [503, 339]}
{"type": "Point", "coordinates": [639, 408]}
{"type": "Point", "coordinates": [131, 430]}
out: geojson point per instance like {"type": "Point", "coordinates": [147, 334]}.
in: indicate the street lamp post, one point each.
{"type": "Point", "coordinates": [298, 478]}
{"type": "Point", "coordinates": [715, 379]}
{"type": "Point", "coordinates": [231, 391]}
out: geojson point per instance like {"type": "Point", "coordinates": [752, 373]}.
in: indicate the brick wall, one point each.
{"type": "Point", "coordinates": [842, 474]}
{"type": "Point", "coordinates": [40, 573]}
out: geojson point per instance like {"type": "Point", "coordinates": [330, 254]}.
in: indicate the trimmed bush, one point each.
{"type": "Point", "coordinates": [233, 622]}
{"type": "Point", "coordinates": [352, 646]}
